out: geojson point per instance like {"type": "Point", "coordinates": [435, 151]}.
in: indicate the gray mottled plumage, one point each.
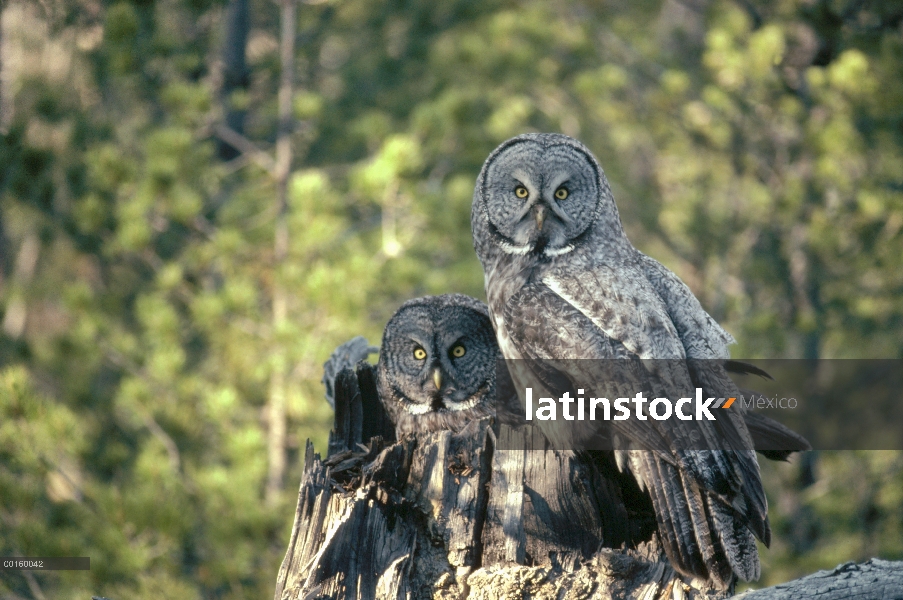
{"type": "Point", "coordinates": [564, 282]}
{"type": "Point", "coordinates": [435, 326]}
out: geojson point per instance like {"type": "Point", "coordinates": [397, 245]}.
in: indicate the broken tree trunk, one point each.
{"type": "Point", "coordinates": [450, 515]}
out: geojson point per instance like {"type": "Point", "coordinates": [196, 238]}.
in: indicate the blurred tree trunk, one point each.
{"type": "Point", "coordinates": [16, 313]}
{"type": "Point", "coordinates": [235, 73]}
{"type": "Point", "coordinates": [232, 144]}
{"type": "Point", "coordinates": [6, 107]}
{"type": "Point", "coordinates": [276, 440]}
{"type": "Point", "coordinates": [5, 259]}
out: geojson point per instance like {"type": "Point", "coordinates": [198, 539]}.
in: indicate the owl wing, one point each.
{"type": "Point", "coordinates": [706, 502]}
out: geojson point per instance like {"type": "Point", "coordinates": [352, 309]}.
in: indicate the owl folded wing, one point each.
{"type": "Point", "coordinates": [708, 500]}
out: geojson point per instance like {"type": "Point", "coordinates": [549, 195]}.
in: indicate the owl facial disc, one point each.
{"type": "Point", "coordinates": [540, 197]}
{"type": "Point", "coordinates": [437, 364]}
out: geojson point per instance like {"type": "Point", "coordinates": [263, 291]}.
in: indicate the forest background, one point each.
{"type": "Point", "coordinates": [171, 281]}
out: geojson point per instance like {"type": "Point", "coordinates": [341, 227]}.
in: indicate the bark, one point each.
{"type": "Point", "coordinates": [448, 515]}
{"type": "Point", "coordinates": [874, 579]}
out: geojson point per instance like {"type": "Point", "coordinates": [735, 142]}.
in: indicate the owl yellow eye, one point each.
{"type": "Point", "coordinates": [458, 351]}
{"type": "Point", "coordinates": [561, 193]}
{"type": "Point", "coordinates": [521, 192]}
{"type": "Point", "coordinates": [419, 353]}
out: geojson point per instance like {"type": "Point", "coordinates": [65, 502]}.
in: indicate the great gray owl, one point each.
{"type": "Point", "coordinates": [564, 282]}
{"type": "Point", "coordinates": [437, 364]}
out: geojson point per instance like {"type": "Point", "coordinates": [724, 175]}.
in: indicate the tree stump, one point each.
{"type": "Point", "coordinates": [451, 515]}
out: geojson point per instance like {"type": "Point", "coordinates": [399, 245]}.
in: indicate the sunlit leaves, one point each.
{"type": "Point", "coordinates": [121, 23]}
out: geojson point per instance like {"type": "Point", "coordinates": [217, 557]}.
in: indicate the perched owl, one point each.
{"type": "Point", "coordinates": [437, 364]}
{"type": "Point", "coordinates": [564, 282]}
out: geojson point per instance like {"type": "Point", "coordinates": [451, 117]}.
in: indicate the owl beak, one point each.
{"type": "Point", "coordinates": [540, 216]}
{"type": "Point", "coordinates": [437, 378]}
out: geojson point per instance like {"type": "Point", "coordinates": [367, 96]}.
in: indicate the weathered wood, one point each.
{"type": "Point", "coordinates": [356, 544]}
{"type": "Point", "coordinates": [540, 507]}
{"type": "Point", "coordinates": [366, 513]}
{"type": "Point", "coordinates": [376, 421]}
{"type": "Point", "coordinates": [609, 575]}
{"type": "Point", "coordinates": [550, 506]}
{"type": "Point", "coordinates": [503, 535]}
{"type": "Point", "coordinates": [447, 482]}
{"type": "Point", "coordinates": [413, 519]}
{"type": "Point", "coordinates": [359, 415]}
{"type": "Point", "coordinates": [452, 515]}
{"type": "Point", "coordinates": [874, 579]}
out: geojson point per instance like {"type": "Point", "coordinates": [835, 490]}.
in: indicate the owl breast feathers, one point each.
{"type": "Point", "coordinates": [564, 282]}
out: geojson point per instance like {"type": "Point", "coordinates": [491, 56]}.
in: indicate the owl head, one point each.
{"type": "Point", "coordinates": [437, 364]}
{"type": "Point", "coordinates": [541, 193]}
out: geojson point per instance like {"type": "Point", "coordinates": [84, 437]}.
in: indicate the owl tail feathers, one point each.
{"type": "Point", "coordinates": [702, 537]}
{"type": "Point", "coordinates": [737, 541]}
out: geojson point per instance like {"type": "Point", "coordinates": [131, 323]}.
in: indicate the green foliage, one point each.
{"type": "Point", "coordinates": [754, 148]}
